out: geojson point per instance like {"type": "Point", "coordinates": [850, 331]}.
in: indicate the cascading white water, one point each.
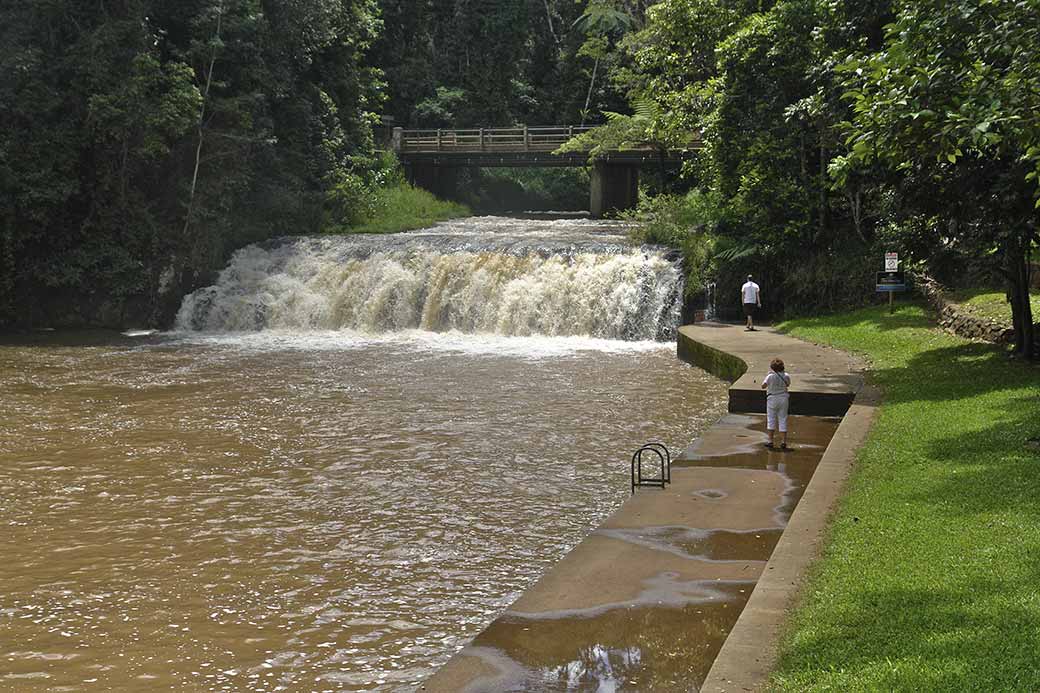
{"type": "Point", "coordinates": [488, 275]}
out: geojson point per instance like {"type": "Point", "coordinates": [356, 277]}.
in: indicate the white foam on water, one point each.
{"type": "Point", "coordinates": [485, 276]}
{"type": "Point", "coordinates": [536, 347]}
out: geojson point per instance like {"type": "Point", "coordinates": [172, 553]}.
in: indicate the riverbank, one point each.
{"type": "Point", "coordinates": [647, 600]}
{"type": "Point", "coordinates": [403, 207]}
{"type": "Point", "coordinates": [929, 578]}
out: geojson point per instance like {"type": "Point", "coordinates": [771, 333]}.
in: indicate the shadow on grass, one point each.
{"type": "Point", "coordinates": [907, 315]}
{"type": "Point", "coordinates": [955, 372]}
{"type": "Point", "coordinates": [974, 624]}
{"type": "Point", "coordinates": [1008, 434]}
{"type": "Point", "coordinates": [963, 295]}
{"type": "Point", "coordinates": [954, 632]}
{"type": "Point", "coordinates": [991, 469]}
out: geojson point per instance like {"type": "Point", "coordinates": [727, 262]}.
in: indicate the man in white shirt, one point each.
{"type": "Point", "coordinates": [751, 296]}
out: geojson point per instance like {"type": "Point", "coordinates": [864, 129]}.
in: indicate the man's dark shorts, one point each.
{"type": "Point", "coordinates": [749, 310]}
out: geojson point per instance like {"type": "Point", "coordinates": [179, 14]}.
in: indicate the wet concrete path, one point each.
{"type": "Point", "coordinates": [647, 600]}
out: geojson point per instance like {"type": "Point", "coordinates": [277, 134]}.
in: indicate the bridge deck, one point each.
{"type": "Point", "coordinates": [517, 146]}
{"type": "Point", "coordinates": [519, 139]}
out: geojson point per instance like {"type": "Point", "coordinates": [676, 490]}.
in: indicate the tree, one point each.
{"type": "Point", "coordinates": [952, 103]}
{"type": "Point", "coordinates": [455, 63]}
{"type": "Point", "coordinates": [141, 141]}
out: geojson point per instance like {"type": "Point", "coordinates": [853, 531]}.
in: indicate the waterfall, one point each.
{"type": "Point", "coordinates": [488, 275]}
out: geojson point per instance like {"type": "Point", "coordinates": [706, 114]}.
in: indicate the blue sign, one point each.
{"type": "Point", "coordinates": [891, 281]}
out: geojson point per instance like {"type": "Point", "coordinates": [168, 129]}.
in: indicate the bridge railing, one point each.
{"type": "Point", "coordinates": [518, 139]}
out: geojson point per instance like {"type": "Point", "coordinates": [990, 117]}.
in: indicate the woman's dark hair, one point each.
{"type": "Point", "coordinates": [777, 365]}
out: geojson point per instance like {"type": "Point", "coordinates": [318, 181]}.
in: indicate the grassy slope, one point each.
{"type": "Point", "coordinates": [931, 577]}
{"type": "Point", "coordinates": [988, 304]}
{"type": "Point", "coordinates": [403, 208]}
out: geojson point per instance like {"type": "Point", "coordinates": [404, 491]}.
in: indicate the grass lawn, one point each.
{"type": "Point", "coordinates": [989, 304]}
{"type": "Point", "coordinates": [930, 580]}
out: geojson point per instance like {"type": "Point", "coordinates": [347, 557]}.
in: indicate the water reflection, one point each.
{"type": "Point", "coordinates": [631, 649]}
{"type": "Point", "coordinates": [604, 666]}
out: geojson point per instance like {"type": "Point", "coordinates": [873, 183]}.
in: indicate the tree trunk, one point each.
{"type": "Point", "coordinates": [588, 97]}
{"type": "Point", "coordinates": [1017, 274]}
{"type": "Point", "coordinates": [855, 198]}
{"type": "Point", "coordinates": [552, 31]}
{"type": "Point", "coordinates": [201, 134]}
{"type": "Point", "coordinates": [823, 190]}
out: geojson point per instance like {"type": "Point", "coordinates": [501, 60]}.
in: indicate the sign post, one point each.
{"type": "Point", "coordinates": [891, 282]}
{"type": "Point", "coordinates": [891, 269]}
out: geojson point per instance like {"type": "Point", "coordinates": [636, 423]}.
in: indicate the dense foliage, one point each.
{"type": "Point", "coordinates": [142, 140]}
{"type": "Point", "coordinates": [462, 63]}
{"type": "Point", "coordinates": [834, 130]}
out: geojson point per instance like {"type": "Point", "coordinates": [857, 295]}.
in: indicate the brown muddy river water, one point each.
{"type": "Point", "coordinates": [313, 506]}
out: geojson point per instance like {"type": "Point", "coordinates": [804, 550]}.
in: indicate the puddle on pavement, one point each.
{"type": "Point", "coordinates": [737, 442]}
{"type": "Point", "coordinates": [707, 545]}
{"type": "Point", "coordinates": [627, 649]}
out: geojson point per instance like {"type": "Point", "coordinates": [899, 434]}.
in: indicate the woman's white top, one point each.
{"type": "Point", "coordinates": [777, 383]}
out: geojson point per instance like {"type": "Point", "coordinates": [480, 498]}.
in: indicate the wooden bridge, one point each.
{"type": "Point", "coordinates": [432, 159]}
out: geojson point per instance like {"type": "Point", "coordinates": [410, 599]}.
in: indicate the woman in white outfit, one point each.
{"type": "Point", "coordinates": [777, 400]}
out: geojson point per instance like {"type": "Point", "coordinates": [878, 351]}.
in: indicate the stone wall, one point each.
{"type": "Point", "coordinates": [958, 321]}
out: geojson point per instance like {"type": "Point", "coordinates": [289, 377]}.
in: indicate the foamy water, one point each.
{"type": "Point", "coordinates": [491, 276]}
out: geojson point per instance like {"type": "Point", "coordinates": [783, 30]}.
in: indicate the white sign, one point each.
{"type": "Point", "coordinates": [891, 262]}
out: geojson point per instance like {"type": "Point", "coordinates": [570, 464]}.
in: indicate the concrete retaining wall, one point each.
{"type": "Point", "coordinates": [720, 364]}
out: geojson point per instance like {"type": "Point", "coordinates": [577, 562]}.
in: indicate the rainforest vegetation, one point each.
{"type": "Point", "coordinates": [142, 141]}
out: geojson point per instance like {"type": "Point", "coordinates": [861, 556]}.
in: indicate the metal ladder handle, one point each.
{"type": "Point", "coordinates": [637, 464]}
{"type": "Point", "coordinates": [636, 456]}
{"type": "Point", "coordinates": [668, 458]}
{"type": "Point", "coordinates": [665, 472]}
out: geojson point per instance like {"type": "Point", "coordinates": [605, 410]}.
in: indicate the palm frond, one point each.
{"type": "Point", "coordinates": [731, 250]}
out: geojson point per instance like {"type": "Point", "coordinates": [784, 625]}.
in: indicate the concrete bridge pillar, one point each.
{"type": "Point", "coordinates": [615, 187]}
{"type": "Point", "coordinates": [442, 181]}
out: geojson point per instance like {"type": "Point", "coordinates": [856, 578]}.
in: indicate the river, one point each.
{"type": "Point", "coordinates": [322, 481]}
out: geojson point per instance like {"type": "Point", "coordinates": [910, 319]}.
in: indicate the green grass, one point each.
{"type": "Point", "coordinates": [989, 304]}
{"type": "Point", "coordinates": [403, 207]}
{"type": "Point", "coordinates": [930, 580]}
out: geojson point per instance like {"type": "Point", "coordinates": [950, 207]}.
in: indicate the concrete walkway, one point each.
{"type": "Point", "coordinates": [681, 588]}
{"type": "Point", "coordinates": [825, 380]}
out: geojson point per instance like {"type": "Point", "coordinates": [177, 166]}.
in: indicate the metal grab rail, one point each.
{"type": "Point", "coordinates": [663, 455]}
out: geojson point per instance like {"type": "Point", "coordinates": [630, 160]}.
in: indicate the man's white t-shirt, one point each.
{"type": "Point", "coordinates": [750, 290]}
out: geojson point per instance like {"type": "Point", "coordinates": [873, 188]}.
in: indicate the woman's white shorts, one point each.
{"type": "Point", "coordinates": [776, 411]}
